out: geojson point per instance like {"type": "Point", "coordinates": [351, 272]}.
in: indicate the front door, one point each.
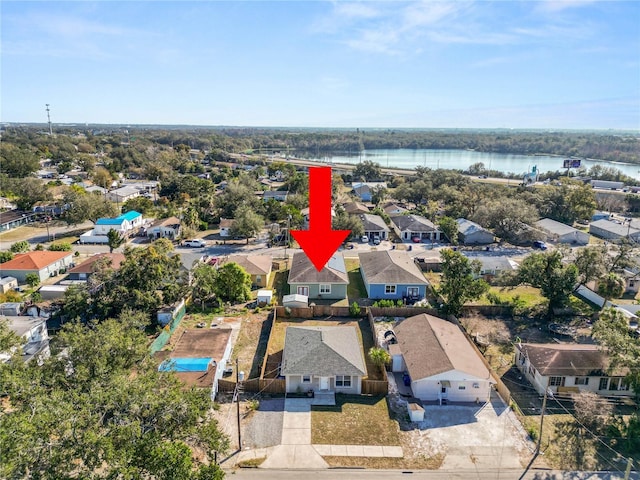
{"type": "Point", "coordinates": [324, 383]}
{"type": "Point", "coordinates": [413, 291]}
{"type": "Point", "coordinates": [443, 392]}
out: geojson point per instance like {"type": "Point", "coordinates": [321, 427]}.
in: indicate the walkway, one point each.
{"type": "Point", "coordinates": [295, 449]}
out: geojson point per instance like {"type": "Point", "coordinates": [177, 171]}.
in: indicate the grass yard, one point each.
{"type": "Point", "coordinates": [355, 420]}
{"type": "Point", "coordinates": [529, 296]}
{"type": "Point", "coordinates": [416, 462]}
{"type": "Point", "coordinates": [356, 289]}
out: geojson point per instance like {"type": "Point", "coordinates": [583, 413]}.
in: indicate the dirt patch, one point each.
{"type": "Point", "coordinates": [251, 344]}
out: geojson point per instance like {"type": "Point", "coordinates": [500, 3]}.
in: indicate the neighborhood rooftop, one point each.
{"type": "Point", "coordinates": [390, 266]}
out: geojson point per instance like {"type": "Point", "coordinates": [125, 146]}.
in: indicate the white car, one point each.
{"type": "Point", "coordinates": [364, 239]}
{"type": "Point", "coordinates": [196, 242]}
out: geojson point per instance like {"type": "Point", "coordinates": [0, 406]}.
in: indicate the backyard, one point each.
{"type": "Point", "coordinates": [356, 292]}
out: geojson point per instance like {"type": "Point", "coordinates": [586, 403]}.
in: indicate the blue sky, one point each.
{"type": "Point", "coordinates": [477, 64]}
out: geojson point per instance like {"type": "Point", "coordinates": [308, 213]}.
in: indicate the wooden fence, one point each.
{"type": "Point", "coordinates": [255, 385]}
{"type": "Point", "coordinates": [375, 387]}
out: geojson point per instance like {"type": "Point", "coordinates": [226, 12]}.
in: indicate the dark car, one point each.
{"type": "Point", "coordinates": [540, 245]}
{"type": "Point", "coordinates": [406, 379]}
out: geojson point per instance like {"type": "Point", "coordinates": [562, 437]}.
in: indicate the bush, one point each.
{"type": "Point", "coordinates": [354, 309]}
{"type": "Point", "coordinates": [60, 247]}
{"type": "Point", "coordinates": [385, 303]}
{"type": "Point", "coordinates": [20, 247]}
{"type": "Point", "coordinates": [203, 226]}
{"type": "Point", "coordinates": [32, 279]}
{"type": "Point", "coordinates": [5, 256]}
{"type": "Point", "coordinates": [494, 298]}
{"type": "Point", "coordinates": [39, 247]}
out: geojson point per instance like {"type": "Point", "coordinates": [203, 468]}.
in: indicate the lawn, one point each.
{"type": "Point", "coordinates": [528, 296]}
{"type": "Point", "coordinates": [355, 289]}
{"type": "Point", "coordinates": [21, 233]}
{"type": "Point", "coordinates": [355, 420]}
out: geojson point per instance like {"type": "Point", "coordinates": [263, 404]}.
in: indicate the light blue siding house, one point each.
{"type": "Point", "coordinates": [392, 275]}
{"type": "Point", "coordinates": [329, 283]}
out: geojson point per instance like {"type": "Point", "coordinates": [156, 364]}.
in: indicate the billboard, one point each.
{"type": "Point", "coordinates": [571, 163]}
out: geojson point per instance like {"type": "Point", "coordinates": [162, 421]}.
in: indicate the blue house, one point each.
{"type": "Point", "coordinates": [122, 223]}
{"type": "Point", "coordinates": [365, 190]}
{"type": "Point", "coordinates": [392, 274]}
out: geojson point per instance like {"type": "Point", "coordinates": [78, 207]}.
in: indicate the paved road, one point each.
{"type": "Point", "coordinates": [476, 474]}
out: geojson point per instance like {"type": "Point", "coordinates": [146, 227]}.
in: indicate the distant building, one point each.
{"type": "Point", "coordinates": [612, 230]}
{"type": "Point", "coordinates": [562, 233]}
{"type": "Point", "coordinates": [15, 218]}
{"type": "Point", "coordinates": [122, 194]}
{"type": "Point", "coordinates": [470, 233]}
{"type": "Point", "coordinates": [225, 227]}
{"type": "Point", "coordinates": [607, 185]}
{"type": "Point", "coordinates": [408, 227]}
{"type": "Point", "coordinates": [365, 190]}
{"type": "Point", "coordinates": [165, 228]}
{"type": "Point", "coordinates": [374, 226]}
{"type": "Point", "coordinates": [88, 267]}
{"type": "Point", "coordinates": [43, 263]}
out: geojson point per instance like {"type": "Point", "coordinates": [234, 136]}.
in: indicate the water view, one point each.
{"type": "Point", "coordinates": [463, 159]}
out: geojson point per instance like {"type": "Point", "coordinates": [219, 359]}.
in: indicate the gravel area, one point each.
{"type": "Point", "coordinates": [263, 427]}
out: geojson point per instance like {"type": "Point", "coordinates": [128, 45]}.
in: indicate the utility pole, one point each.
{"type": "Point", "coordinates": [49, 120]}
{"type": "Point", "coordinates": [544, 406]}
{"type": "Point", "coordinates": [238, 405]}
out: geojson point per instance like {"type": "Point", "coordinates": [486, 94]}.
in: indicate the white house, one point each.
{"type": "Point", "coordinates": [225, 227]}
{"type": "Point", "coordinates": [442, 364]}
{"type": "Point", "coordinates": [33, 332]}
{"type": "Point", "coordinates": [569, 368]}
{"type": "Point", "coordinates": [562, 233]}
{"type": "Point", "coordinates": [122, 224]}
{"type": "Point", "coordinates": [43, 263]}
{"type": "Point", "coordinates": [122, 194]}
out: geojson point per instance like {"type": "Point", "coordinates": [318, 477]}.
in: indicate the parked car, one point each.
{"type": "Point", "coordinates": [376, 240]}
{"type": "Point", "coordinates": [196, 242]}
{"type": "Point", "coordinates": [364, 239]}
{"type": "Point", "coordinates": [416, 239]}
{"type": "Point", "coordinates": [540, 245]}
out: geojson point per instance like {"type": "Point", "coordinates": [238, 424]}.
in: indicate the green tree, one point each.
{"type": "Point", "coordinates": [591, 263]}
{"type": "Point", "coordinates": [32, 279]}
{"type": "Point", "coordinates": [114, 240]}
{"type": "Point", "coordinates": [104, 421]}
{"type": "Point", "coordinates": [247, 223]}
{"type": "Point", "coordinates": [204, 283]}
{"type": "Point", "coordinates": [378, 195]}
{"type": "Point", "coordinates": [232, 283]}
{"type": "Point", "coordinates": [380, 357]}
{"type": "Point", "coordinates": [460, 282]}
{"type": "Point", "coordinates": [139, 204]}
{"type": "Point", "coordinates": [449, 227]}
{"type": "Point", "coordinates": [87, 206]}
{"type": "Point", "coordinates": [20, 247]}
{"type": "Point", "coordinates": [28, 191]}
{"type": "Point", "coordinates": [582, 201]}
{"type": "Point", "coordinates": [6, 256]}
{"type": "Point", "coordinates": [344, 221]}
{"type": "Point", "coordinates": [60, 247]}
{"type": "Point", "coordinates": [8, 338]}
{"type": "Point", "coordinates": [611, 286]}
{"type": "Point", "coordinates": [102, 178]}
{"type": "Point", "coordinates": [508, 218]}
{"type": "Point", "coordinates": [367, 171]}
{"type": "Point", "coordinates": [555, 279]}
{"type": "Point", "coordinates": [16, 161]}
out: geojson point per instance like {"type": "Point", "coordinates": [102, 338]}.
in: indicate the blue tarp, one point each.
{"type": "Point", "coordinates": [185, 365]}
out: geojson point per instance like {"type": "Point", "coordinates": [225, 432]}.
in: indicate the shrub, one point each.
{"type": "Point", "coordinates": [5, 256]}
{"type": "Point", "coordinates": [36, 297]}
{"type": "Point", "coordinates": [253, 405]}
{"type": "Point", "coordinates": [60, 247]}
{"type": "Point", "coordinates": [20, 247]}
{"type": "Point", "coordinates": [494, 298]}
{"type": "Point", "coordinates": [354, 309]}
{"type": "Point", "coordinates": [385, 303]}
{"type": "Point", "coordinates": [32, 279]}
{"type": "Point", "coordinates": [39, 247]}
{"type": "Point", "coordinates": [76, 253]}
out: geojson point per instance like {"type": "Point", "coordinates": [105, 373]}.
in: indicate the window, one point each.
{"type": "Point", "coordinates": [476, 385]}
{"type": "Point", "coordinates": [556, 381]}
{"type": "Point", "coordinates": [413, 291]}
{"type": "Point", "coordinates": [306, 379]}
{"type": "Point", "coordinates": [343, 381]}
{"type": "Point", "coordinates": [617, 383]}
{"type": "Point", "coordinates": [582, 380]}
{"type": "Point", "coordinates": [523, 359]}
{"type": "Point", "coordinates": [303, 291]}
{"type": "Point", "coordinates": [325, 288]}
{"type": "Point", "coordinates": [389, 289]}
{"type": "Point", "coordinates": [462, 387]}
{"type": "Point", "coordinates": [258, 278]}
{"type": "Point", "coordinates": [603, 384]}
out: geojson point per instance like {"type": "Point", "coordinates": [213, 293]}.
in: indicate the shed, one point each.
{"type": "Point", "coordinates": [397, 361]}
{"type": "Point", "coordinates": [295, 300]}
{"type": "Point", "coordinates": [8, 283]}
{"type": "Point", "coordinates": [264, 297]}
{"type": "Point", "coordinates": [52, 292]}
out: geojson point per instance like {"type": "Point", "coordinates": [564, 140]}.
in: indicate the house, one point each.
{"type": "Point", "coordinates": [408, 227]}
{"type": "Point", "coordinates": [91, 265]}
{"type": "Point", "coordinates": [569, 368]}
{"type": "Point", "coordinates": [391, 208]}
{"type": "Point", "coordinates": [96, 189]}
{"type": "Point", "coordinates": [491, 267]}
{"type": "Point", "coordinates": [258, 266]}
{"type": "Point", "coordinates": [165, 228]}
{"type": "Point", "coordinates": [599, 215]}
{"type": "Point", "coordinates": [374, 226]}
{"type": "Point", "coordinates": [43, 263]}
{"type": "Point", "coordinates": [442, 365]}
{"type": "Point", "coordinates": [392, 274]}
{"type": "Point", "coordinates": [470, 233]}
{"type": "Point", "coordinates": [225, 227]}
{"type": "Point", "coordinates": [305, 215]}
{"type": "Point", "coordinates": [323, 359]}
{"type": "Point", "coordinates": [278, 195]}
{"type": "Point", "coordinates": [264, 297]}
{"type": "Point", "coordinates": [365, 190]}
{"type": "Point", "coordinates": [613, 230]}
{"type": "Point", "coordinates": [15, 218]}
{"type": "Point", "coordinates": [354, 208]}
{"type": "Point", "coordinates": [561, 233]}
{"type": "Point", "coordinates": [123, 224]}
{"type": "Point", "coordinates": [122, 194]}
{"type": "Point", "coordinates": [33, 331]}
{"type": "Point", "coordinates": [328, 283]}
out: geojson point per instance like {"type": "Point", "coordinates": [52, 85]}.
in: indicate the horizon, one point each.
{"type": "Point", "coordinates": [546, 65]}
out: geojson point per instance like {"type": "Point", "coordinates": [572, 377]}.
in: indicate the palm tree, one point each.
{"type": "Point", "coordinates": [379, 356]}
{"type": "Point", "coordinates": [114, 240]}
{"type": "Point", "coordinates": [611, 286]}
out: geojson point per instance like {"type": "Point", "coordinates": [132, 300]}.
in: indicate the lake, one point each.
{"type": "Point", "coordinates": [463, 159]}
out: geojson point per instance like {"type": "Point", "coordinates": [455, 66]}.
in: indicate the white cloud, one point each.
{"type": "Point", "coordinates": [554, 6]}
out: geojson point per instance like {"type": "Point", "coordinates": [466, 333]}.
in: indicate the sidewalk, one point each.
{"type": "Point", "coordinates": [296, 450]}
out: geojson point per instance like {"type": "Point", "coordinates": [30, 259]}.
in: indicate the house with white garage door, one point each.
{"type": "Point", "coordinates": [442, 364]}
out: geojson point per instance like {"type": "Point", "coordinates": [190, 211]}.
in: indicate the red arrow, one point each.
{"type": "Point", "coordinates": [320, 242]}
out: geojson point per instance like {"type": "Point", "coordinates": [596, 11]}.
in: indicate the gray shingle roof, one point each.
{"type": "Point", "coordinates": [566, 359]}
{"type": "Point", "coordinates": [431, 346]}
{"type": "Point", "coordinates": [373, 223]}
{"type": "Point", "coordinates": [556, 228]}
{"type": "Point", "coordinates": [467, 227]}
{"type": "Point", "coordinates": [323, 351]}
{"type": "Point", "coordinates": [303, 271]}
{"type": "Point", "coordinates": [390, 266]}
{"type": "Point", "coordinates": [414, 223]}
